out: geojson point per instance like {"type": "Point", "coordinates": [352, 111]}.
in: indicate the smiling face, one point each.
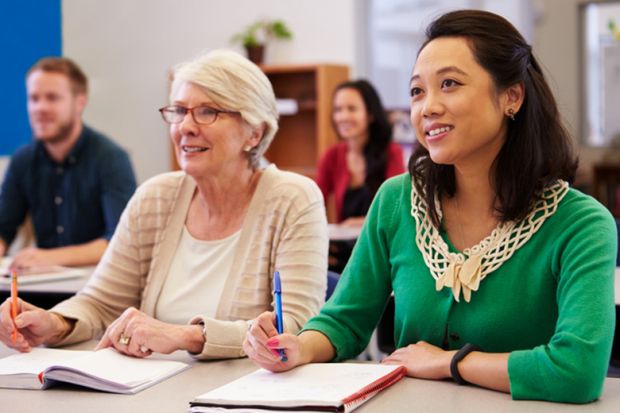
{"type": "Point", "coordinates": [209, 150]}
{"type": "Point", "coordinates": [54, 109]}
{"type": "Point", "coordinates": [350, 115]}
{"type": "Point", "coordinates": [455, 109]}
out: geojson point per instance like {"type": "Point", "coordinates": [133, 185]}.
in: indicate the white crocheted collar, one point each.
{"type": "Point", "coordinates": [465, 270]}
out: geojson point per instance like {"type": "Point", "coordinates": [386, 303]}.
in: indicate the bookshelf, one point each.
{"type": "Point", "coordinates": [305, 135]}
{"type": "Point", "coordinates": [606, 186]}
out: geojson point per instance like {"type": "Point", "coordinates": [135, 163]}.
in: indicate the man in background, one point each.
{"type": "Point", "coordinates": [71, 180]}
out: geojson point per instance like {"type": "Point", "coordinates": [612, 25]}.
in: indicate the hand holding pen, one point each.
{"type": "Point", "coordinates": [266, 343]}
{"type": "Point", "coordinates": [23, 325]}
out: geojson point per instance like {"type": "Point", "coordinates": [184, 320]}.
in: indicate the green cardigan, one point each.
{"type": "Point", "coordinates": [551, 305]}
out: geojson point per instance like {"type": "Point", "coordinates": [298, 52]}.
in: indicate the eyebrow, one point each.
{"type": "Point", "coordinates": [441, 71]}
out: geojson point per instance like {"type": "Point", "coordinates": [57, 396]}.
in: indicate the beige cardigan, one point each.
{"type": "Point", "coordinates": [285, 229]}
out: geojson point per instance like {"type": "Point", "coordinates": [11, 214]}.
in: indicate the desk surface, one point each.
{"type": "Point", "coordinates": [617, 286]}
{"type": "Point", "coordinates": [174, 394]}
{"type": "Point", "coordinates": [338, 232]}
{"type": "Point", "coordinates": [68, 286]}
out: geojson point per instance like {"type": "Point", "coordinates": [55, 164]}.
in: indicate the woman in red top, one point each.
{"type": "Point", "coordinates": [353, 169]}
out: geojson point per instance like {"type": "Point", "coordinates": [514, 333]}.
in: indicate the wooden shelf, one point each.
{"type": "Point", "coordinates": [304, 136]}
{"type": "Point", "coordinates": [606, 186]}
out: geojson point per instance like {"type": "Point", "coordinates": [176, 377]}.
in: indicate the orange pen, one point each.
{"type": "Point", "coordinates": [14, 305]}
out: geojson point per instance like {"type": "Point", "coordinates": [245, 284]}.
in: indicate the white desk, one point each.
{"type": "Point", "coordinates": [343, 233]}
{"type": "Point", "coordinates": [174, 395]}
{"type": "Point", "coordinates": [617, 286]}
{"type": "Point", "coordinates": [47, 294]}
{"type": "Point", "coordinates": [69, 285]}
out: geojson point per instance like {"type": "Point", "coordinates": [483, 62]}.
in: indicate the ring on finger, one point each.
{"type": "Point", "coordinates": [124, 340]}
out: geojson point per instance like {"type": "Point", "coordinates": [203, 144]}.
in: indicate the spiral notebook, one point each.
{"type": "Point", "coordinates": [325, 387]}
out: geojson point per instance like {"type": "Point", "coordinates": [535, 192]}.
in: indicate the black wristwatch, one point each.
{"type": "Point", "coordinates": [460, 355]}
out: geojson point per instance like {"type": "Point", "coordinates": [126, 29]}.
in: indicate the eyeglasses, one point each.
{"type": "Point", "coordinates": [204, 115]}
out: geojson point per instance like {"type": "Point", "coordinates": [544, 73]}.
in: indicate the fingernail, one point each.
{"type": "Point", "coordinates": [19, 322]}
{"type": "Point", "coordinates": [273, 342]}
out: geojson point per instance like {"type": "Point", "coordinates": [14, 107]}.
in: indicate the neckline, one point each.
{"type": "Point", "coordinates": [463, 271]}
{"type": "Point", "coordinates": [211, 242]}
{"type": "Point", "coordinates": [480, 247]}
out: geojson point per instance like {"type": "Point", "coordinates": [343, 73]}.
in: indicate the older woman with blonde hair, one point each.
{"type": "Point", "coordinates": [191, 262]}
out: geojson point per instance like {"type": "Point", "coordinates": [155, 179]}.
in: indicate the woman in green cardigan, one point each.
{"type": "Point", "coordinates": [502, 275]}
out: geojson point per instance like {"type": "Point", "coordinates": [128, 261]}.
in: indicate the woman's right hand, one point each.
{"type": "Point", "coordinates": [262, 344]}
{"type": "Point", "coordinates": [35, 326]}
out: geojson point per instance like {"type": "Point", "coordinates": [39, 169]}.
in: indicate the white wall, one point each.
{"type": "Point", "coordinates": [397, 30]}
{"type": "Point", "coordinates": [126, 48]}
{"type": "Point", "coordinates": [4, 163]}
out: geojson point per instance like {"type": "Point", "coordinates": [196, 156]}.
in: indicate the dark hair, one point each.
{"type": "Point", "coordinates": [66, 66]}
{"type": "Point", "coordinates": [537, 150]}
{"type": "Point", "coordinates": [379, 132]}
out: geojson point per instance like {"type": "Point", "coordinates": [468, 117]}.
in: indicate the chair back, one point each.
{"type": "Point", "coordinates": [332, 280]}
{"type": "Point", "coordinates": [385, 329]}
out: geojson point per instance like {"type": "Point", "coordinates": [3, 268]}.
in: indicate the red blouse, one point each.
{"type": "Point", "coordinates": [333, 174]}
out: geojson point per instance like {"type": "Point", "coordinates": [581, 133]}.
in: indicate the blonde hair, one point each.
{"type": "Point", "coordinates": [235, 84]}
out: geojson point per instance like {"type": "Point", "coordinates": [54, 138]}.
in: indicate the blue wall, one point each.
{"type": "Point", "coordinates": [29, 30]}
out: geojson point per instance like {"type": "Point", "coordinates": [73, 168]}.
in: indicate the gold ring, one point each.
{"type": "Point", "coordinates": [124, 340]}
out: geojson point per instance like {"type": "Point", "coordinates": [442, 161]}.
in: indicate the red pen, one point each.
{"type": "Point", "coordinates": [14, 305]}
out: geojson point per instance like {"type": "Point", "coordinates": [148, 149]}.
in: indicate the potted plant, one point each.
{"type": "Point", "coordinates": [255, 36]}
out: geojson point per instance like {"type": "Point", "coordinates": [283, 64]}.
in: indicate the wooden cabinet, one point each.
{"type": "Point", "coordinates": [305, 135]}
{"type": "Point", "coordinates": [606, 186]}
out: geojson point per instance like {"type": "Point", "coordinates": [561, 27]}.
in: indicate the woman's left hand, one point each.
{"type": "Point", "coordinates": [137, 334]}
{"type": "Point", "coordinates": [423, 360]}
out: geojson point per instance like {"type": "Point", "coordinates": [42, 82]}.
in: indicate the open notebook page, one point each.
{"type": "Point", "coordinates": [119, 371]}
{"type": "Point", "coordinates": [311, 384]}
{"type": "Point", "coordinates": [22, 370]}
{"type": "Point", "coordinates": [104, 370]}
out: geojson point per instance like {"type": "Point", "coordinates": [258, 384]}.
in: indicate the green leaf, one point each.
{"type": "Point", "coordinates": [261, 31]}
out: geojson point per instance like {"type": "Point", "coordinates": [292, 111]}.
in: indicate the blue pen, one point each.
{"type": "Point", "coordinates": [277, 293]}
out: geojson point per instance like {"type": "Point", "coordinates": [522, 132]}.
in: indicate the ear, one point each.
{"type": "Point", "coordinates": [512, 97]}
{"type": "Point", "coordinates": [80, 102]}
{"type": "Point", "coordinates": [256, 135]}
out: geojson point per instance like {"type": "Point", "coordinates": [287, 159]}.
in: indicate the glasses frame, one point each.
{"type": "Point", "coordinates": [191, 110]}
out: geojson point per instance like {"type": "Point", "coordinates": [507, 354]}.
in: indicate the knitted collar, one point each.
{"type": "Point", "coordinates": [465, 270]}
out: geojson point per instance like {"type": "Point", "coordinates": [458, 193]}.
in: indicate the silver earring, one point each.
{"type": "Point", "coordinates": [511, 113]}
